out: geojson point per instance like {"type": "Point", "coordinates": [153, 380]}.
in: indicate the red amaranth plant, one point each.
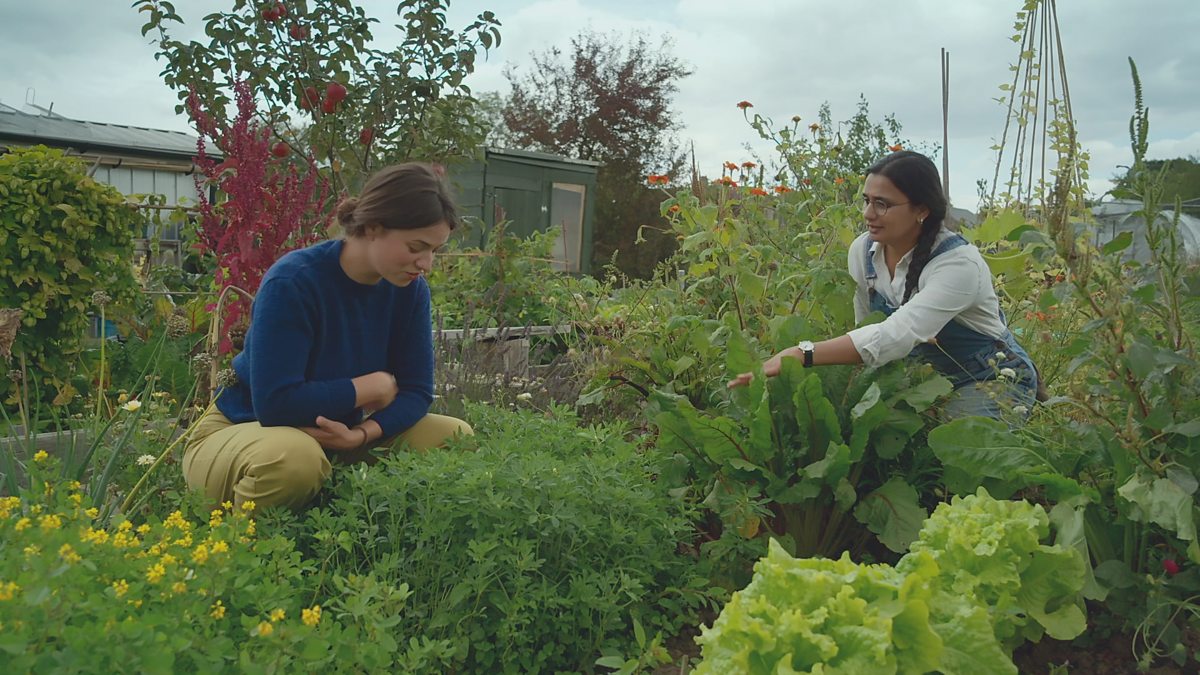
{"type": "Point", "coordinates": [270, 206]}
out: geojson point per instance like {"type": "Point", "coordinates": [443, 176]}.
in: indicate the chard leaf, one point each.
{"type": "Point", "coordinates": [978, 448]}
{"type": "Point", "coordinates": [893, 514]}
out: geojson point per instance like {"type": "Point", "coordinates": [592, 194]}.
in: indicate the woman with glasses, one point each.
{"type": "Point", "coordinates": [936, 292]}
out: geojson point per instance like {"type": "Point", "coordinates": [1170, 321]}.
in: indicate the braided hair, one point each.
{"type": "Point", "coordinates": [916, 176]}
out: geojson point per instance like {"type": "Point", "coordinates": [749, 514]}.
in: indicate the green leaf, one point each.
{"type": "Point", "coordinates": [923, 395]}
{"type": "Point", "coordinates": [1119, 243]}
{"type": "Point", "coordinates": [980, 448]}
{"type": "Point", "coordinates": [892, 513]}
{"type": "Point", "coordinates": [1161, 501]}
{"type": "Point", "coordinates": [1009, 264]}
{"type": "Point", "coordinates": [1190, 429]}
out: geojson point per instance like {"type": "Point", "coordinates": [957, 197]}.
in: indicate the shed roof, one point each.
{"type": "Point", "coordinates": [93, 137]}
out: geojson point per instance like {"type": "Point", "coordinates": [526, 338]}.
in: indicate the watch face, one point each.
{"type": "Point", "coordinates": [806, 346]}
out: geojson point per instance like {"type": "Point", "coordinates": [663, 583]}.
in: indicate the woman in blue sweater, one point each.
{"type": "Point", "coordinates": [339, 352]}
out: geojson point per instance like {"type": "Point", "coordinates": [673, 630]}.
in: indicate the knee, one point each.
{"type": "Point", "coordinates": [459, 428]}
{"type": "Point", "coordinates": [295, 475]}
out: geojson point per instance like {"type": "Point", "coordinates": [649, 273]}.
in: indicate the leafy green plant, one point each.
{"type": "Point", "coordinates": [66, 245]}
{"type": "Point", "coordinates": [556, 534]}
{"type": "Point", "coordinates": [976, 582]}
{"type": "Point", "coordinates": [817, 459]}
{"type": "Point", "coordinates": [173, 594]}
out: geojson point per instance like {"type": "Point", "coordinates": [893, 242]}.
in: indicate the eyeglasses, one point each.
{"type": "Point", "coordinates": [879, 206]}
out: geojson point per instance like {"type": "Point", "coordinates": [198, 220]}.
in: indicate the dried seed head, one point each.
{"type": "Point", "coordinates": [101, 298]}
{"type": "Point", "coordinates": [10, 321]}
{"type": "Point", "coordinates": [178, 326]}
{"type": "Point", "coordinates": [226, 378]}
{"type": "Point", "coordinates": [16, 376]}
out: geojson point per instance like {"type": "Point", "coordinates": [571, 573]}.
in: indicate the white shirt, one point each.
{"type": "Point", "coordinates": [956, 285]}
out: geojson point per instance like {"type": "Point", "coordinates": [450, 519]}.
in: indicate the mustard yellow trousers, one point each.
{"type": "Point", "coordinates": [281, 465]}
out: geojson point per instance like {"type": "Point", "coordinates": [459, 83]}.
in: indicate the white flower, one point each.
{"type": "Point", "coordinates": [1020, 409]}
{"type": "Point", "coordinates": [524, 396]}
{"type": "Point", "coordinates": [132, 405]}
{"type": "Point", "coordinates": [1001, 355]}
{"type": "Point", "coordinates": [146, 460]}
{"type": "Point", "coordinates": [1008, 373]}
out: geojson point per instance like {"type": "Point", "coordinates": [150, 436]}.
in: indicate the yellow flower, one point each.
{"type": "Point", "coordinates": [311, 617]}
{"type": "Point", "coordinates": [50, 521]}
{"type": "Point", "coordinates": [227, 505]}
{"type": "Point", "coordinates": [32, 550]}
{"type": "Point", "coordinates": [143, 529]}
{"type": "Point", "coordinates": [263, 629]}
{"type": "Point", "coordinates": [68, 554]}
{"type": "Point", "coordinates": [76, 498]}
{"type": "Point", "coordinates": [8, 590]}
{"type": "Point", "coordinates": [277, 615]}
{"type": "Point", "coordinates": [74, 485]}
{"type": "Point", "coordinates": [122, 398]}
{"type": "Point", "coordinates": [179, 588]}
{"type": "Point", "coordinates": [214, 518]}
{"type": "Point", "coordinates": [125, 526]}
{"type": "Point", "coordinates": [92, 512]}
{"type": "Point", "coordinates": [155, 573]}
{"type": "Point", "coordinates": [94, 536]}
{"type": "Point", "coordinates": [22, 524]}
{"type": "Point", "coordinates": [218, 610]}
{"type": "Point", "coordinates": [219, 547]}
{"type": "Point", "coordinates": [41, 456]}
{"type": "Point", "coordinates": [250, 528]}
{"type": "Point", "coordinates": [120, 587]}
{"type": "Point", "coordinates": [168, 559]}
{"type": "Point", "coordinates": [200, 554]}
{"type": "Point", "coordinates": [132, 406]}
{"type": "Point", "coordinates": [248, 505]}
{"type": "Point", "coordinates": [8, 505]}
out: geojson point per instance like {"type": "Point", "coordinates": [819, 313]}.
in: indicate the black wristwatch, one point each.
{"type": "Point", "coordinates": [807, 347]}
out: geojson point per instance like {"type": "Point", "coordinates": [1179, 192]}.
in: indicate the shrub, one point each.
{"type": "Point", "coordinates": [174, 595]}
{"type": "Point", "coordinates": [63, 238]}
{"type": "Point", "coordinates": [529, 554]}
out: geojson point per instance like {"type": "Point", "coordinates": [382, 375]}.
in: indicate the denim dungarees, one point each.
{"type": "Point", "coordinates": [963, 355]}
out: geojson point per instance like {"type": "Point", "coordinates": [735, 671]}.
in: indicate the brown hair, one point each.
{"type": "Point", "coordinates": [400, 197]}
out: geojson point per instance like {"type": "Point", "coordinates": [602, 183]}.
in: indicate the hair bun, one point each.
{"type": "Point", "coordinates": [345, 211]}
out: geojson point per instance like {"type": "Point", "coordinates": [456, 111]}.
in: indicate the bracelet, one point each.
{"type": "Point", "coordinates": [366, 438]}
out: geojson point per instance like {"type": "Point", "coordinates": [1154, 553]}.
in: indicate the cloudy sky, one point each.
{"type": "Point", "coordinates": [786, 56]}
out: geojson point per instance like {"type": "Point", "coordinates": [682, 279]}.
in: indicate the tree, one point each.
{"type": "Point", "coordinates": [608, 100]}
{"type": "Point", "coordinates": [323, 91]}
{"type": "Point", "coordinates": [1180, 179]}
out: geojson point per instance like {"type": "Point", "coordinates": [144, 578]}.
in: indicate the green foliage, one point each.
{"type": "Point", "coordinates": [174, 595]}
{"type": "Point", "coordinates": [66, 246]}
{"type": "Point", "coordinates": [976, 583]}
{"type": "Point", "coordinates": [412, 96]}
{"type": "Point", "coordinates": [510, 283]}
{"type": "Point", "coordinates": [529, 553]}
{"type": "Point", "coordinates": [804, 452]}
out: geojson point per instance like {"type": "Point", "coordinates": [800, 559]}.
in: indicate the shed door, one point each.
{"type": "Point", "coordinates": [566, 213]}
{"type": "Point", "coordinates": [522, 208]}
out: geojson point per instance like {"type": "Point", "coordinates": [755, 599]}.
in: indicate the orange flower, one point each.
{"type": "Point", "coordinates": [674, 208]}
{"type": "Point", "coordinates": [748, 165]}
{"type": "Point", "coordinates": [807, 181]}
{"type": "Point", "coordinates": [726, 180]}
{"type": "Point", "coordinates": [758, 192]}
{"type": "Point", "coordinates": [782, 189]}
{"type": "Point", "coordinates": [839, 180]}
{"type": "Point", "coordinates": [731, 166]}
{"type": "Point", "coordinates": [745, 104]}
{"type": "Point", "coordinates": [896, 148]}
{"type": "Point", "coordinates": [655, 179]}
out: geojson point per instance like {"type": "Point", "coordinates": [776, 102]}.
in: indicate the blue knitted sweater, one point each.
{"type": "Point", "coordinates": [312, 329]}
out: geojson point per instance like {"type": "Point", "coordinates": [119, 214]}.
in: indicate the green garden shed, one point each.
{"type": "Point", "coordinates": [532, 191]}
